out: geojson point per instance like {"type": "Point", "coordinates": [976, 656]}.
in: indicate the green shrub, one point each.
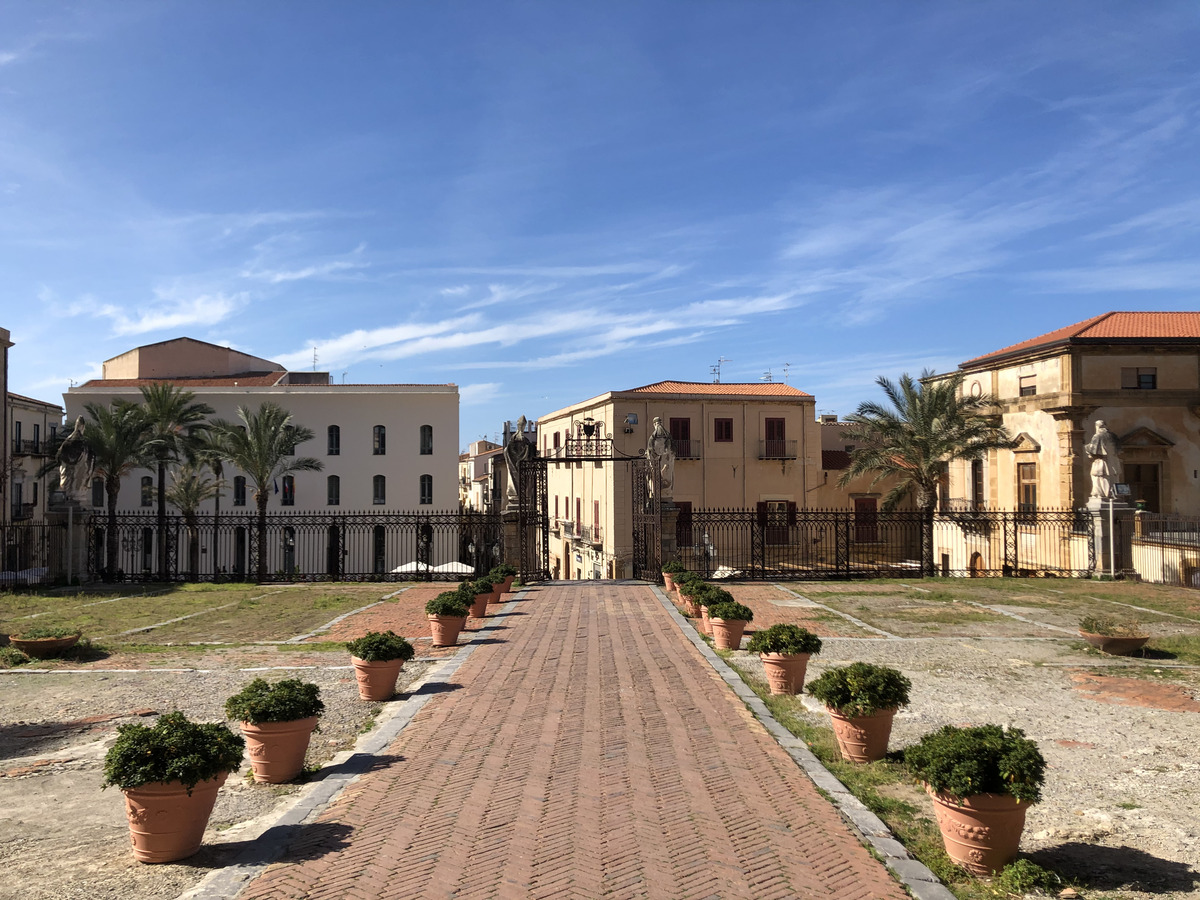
{"type": "Point", "coordinates": [284, 701]}
{"type": "Point", "coordinates": [692, 587]}
{"type": "Point", "coordinates": [381, 646]}
{"type": "Point", "coordinates": [508, 571]}
{"type": "Point", "coordinates": [1023, 876]}
{"type": "Point", "coordinates": [448, 603]}
{"type": "Point", "coordinates": [710, 594]}
{"type": "Point", "coordinates": [173, 749]}
{"type": "Point", "coordinates": [494, 577]}
{"type": "Point", "coordinates": [40, 632]}
{"type": "Point", "coordinates": [688, 577]}
{"type": "Point", "coordinates": [673, 568]}
{"type": "Point", "coordinates": [984, 759]}
{"type": "Point", "coordinates": [482, 586]}
{"type": "Point", "coordinates": [730, 611]}
{"type": "Point", "coordinates": [1111, 627]}
{"type": "Point", "coordinates": [861, 689]}
{"type": "Point", "coordinates": [784, 638]}
{"type": "Point", "coordinates": [11, 656]}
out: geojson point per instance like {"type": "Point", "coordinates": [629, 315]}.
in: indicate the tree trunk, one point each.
{"type": "Point", "coordinates": [260, 500]}
{"type": "Point", "coordinates": [216, 538]}
{"type": "Point", "coordinates": [163, 575]}
{"type": "Point", "coordinates": [193, 536]}
{"type": "Point", "coordinates": [111, 541]}
{"type": "Point", "coordinates": [927, 567]}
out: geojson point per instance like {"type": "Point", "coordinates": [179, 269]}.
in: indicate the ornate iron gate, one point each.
{"type": "Point", "coordinates": [533, 521]}
{"type": "Point", "coordinates": [647, 520]}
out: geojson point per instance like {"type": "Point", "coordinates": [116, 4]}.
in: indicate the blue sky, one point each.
{"type": "Point", "coordinates": [542, 201]}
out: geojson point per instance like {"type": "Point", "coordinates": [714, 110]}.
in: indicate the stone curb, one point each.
{"type": "Point", "coordinates": [270, 837]}
{"type": "Point", "coordinates": [914, 875]}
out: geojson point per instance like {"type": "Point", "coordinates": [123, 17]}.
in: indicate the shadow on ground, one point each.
{"type": "Point", "coordinates": [299, 842]}
{"type": "Point", "coordinates": [1101, 868]}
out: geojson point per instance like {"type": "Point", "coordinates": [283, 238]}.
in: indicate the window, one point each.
{"type": "Point", "coordinates": [1028, 385]}
{"type": "Point", "coordinates": [426, 440]}
{"type": "Point", "coordinates": [557, 440]}
{"type": "Point", "coordinates": [1143, 479]}
{"type": "Point", "coordinates": [556, 516]}
{"type": "Point", "coordinates": [97, 492]}
{"type": "Point", "coordinates": [977, 495]}
{"type": "Point", "coordinates": [776, 445]}
{"type": "Point", "coordinates": [1144, 378]}
{"type": "Point", "coordinates": [33, 497]}
{"type": "Point", "coordinates": [866, 520]}
{"type": "Point", "coordinates": [37, 437]}
{"type": "Point", "coordinates": [426, 490]}
{"type": "Point", "coordinates": [289, 491]}
{"type": "Point", "coordinates": [379, 490]}
{"type": "Point", "coordinates": [578, 514]}
{"type": "Point", "coordinates": [289, 434]}
{"type": "Point", "coordinates": [239, 490]}
{"type": "Point", "coordinates": [379, 440]}
{"type": "Point", "coordinates": [1027, 492]}
{"type": "Point", "coordinates": [147, 491]}
{"type": "Point", "coordinates": [333, 490]}
{"type": "Point", "coordinates": [335, 441]}
{"type": "Point", "coordinates": [17, 436]}
{"type": "Point", "coordinates": [723, 431]}
{"type": "Point", "coordinates": [681, 434]}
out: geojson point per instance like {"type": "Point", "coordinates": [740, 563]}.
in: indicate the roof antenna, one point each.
{"type": "Point", "coordinates": [716, 370]}
{"type": "Point", "coordinates": [786, 367]}
{"type": "Point", "coordinates": [314, 359]}
{"type": "Point", "coordinates": [766, 376]}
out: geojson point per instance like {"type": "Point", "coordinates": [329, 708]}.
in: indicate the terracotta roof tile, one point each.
{"type": "Point", "coordinates": [25, 399]}
{"type": "Point", "coordinates": [1112, 326]}
{"type": "Point", "coordinates": [722, 389]}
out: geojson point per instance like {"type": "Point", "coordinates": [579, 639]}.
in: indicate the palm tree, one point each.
{"type": "Point", "coordinates": [930, 423]}
{"type": "Point", "coordinates": [211, 450]}
{"type": "Point", "coordinates": [175, 419]}
{"type": "Point", "coordinates": [262, 447]}
{"type": "Point", "coordinates": [189, 488]}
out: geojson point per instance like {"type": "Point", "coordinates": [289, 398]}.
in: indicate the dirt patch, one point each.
{"type": "Point", "coordinates": [1135, 692]}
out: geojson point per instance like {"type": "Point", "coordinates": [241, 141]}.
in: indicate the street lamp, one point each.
{"type": "Point", "coordinates": [708, 554]}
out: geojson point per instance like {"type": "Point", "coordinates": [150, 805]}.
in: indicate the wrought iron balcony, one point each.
{"type": "Point", "coordinates": [687, 449]}
{"type": "Point", "coordinates": [590, 533]}
{"type": "Point", "coordinates": [777, 449]}
{"type": "Point", "coordinates": [27, 448]}
{"type": "Point", "coordinates": [22, 512]}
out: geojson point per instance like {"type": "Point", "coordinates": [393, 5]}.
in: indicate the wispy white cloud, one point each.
{"type": "Point", "coordinates": [171, 312]}
{"type": "Point", "coordinates": [458, 290]}
{"type": "Point", "coordinates": [313, 270]}
{"type": "Point", "coordinates": [499, 293]}
{"type": "Point", "coordinates": [480, 393]}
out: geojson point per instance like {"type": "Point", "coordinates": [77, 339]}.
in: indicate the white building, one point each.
{"type": "Point", "coordinates": [383, 446]}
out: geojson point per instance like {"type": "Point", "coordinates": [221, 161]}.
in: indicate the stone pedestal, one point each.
{"type": "Point", "coordinates": [511, 525]}
{"type": "Point", "coordinates": [1113, 525]}
{"type": "Point", "coordinates": [669, 539]}
{"type": "Point", "coordinates": [70, 565]}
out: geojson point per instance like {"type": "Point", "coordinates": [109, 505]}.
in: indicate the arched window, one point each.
{"type": "Point", "coordinates": [239, 490]}
{"type": "Point", "coordinates": [335, 441]}
{"type": "Point", "coordinates": [147, 491]}
{"type": "Point", "coordinates": [379, 490]}
{"type": "Point", "coordinates": [97, 492]}
{"type": "Point", "coordinates": [426, 440]}
{"type": "Point", "coordinates": [426, 490]}
{"type": "Point", "coordinates": [333, 490]}
{"type": "Point", "coordinates": [288, 497]}
{"type": "Point", "coordinates": [379, 440]}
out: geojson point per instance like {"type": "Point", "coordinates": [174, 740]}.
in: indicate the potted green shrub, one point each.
{"type": "Point", "coordinates": [447, 614]}
{"type": "Point", "coordinates": [170, 773]}
{"type": "Point", "coordinates": [378, 657]}
{"type": "Point", "coordinates": [784, 650]}
{"type": "Point", "coordinates": [45, 641]}
{"type": "Point", "coordinates": [277, 721]}
{"type": "Point", "coordinates": [510, 575]}
{"type": "Point", "coordinates": [862, 700]}
{"type": "Point", "coordinates": [690, 586]}
{"type": "Point", "coordinates": [669, 571]}
{"type": "Point", "coordinates": [497, 582]}
{"type": "Point", "coordinates": [726, 618]}
{"type": "Point", "coordinates": [476, 595]}
{"type": "Point", "coordinates": [982, 779]}
{"type": "Point", "coordinates": [1113, 636]}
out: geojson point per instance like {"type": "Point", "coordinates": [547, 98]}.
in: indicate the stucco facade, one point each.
{"type": "Point", "coordinates": [1138, 372]}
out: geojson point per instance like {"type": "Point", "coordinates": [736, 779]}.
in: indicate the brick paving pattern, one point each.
{"type": "Point", "coordinates": [588, 752]}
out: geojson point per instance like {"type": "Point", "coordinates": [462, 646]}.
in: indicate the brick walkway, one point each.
{"type": "Point", "coordinates": [590, 752]}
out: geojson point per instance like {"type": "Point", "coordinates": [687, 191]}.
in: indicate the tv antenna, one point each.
{"type": "Point", "coordinates": [716, 370]}
{"type": "Point", "coordinates": [314, 359]}
{"type": "Point", "coordinates": [786, 367]}
{"type": "Point", "coordinates": [766, 376]}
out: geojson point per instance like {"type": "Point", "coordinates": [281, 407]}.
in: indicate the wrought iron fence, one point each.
{"type": "Point", "coordinates": [352, 546]}
{"type": "Point", "coordinates": [830, 544]}
{"type": "Point", "coordinates": [1161, 548]}
{"type": "Point", "coordinates": [36, 553]}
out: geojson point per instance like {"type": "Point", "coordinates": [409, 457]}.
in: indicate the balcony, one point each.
{"type": "Point", "coordinates": [687, 449]}
{"type": "Point", "coordinates": [590, 533]}
{"type": "Point", "coordinates": [22, 512]}
{"type": "Point", "coordinates": [27, 448]}
{"type": "Point", "coordinates": [777, 449]}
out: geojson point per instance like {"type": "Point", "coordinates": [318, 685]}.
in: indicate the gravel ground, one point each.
{"type": "Point", "coordinates": [61, 838]}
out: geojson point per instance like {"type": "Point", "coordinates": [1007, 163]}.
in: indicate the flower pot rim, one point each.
{"type": "Point", "coordinates": [984, 800]}
{"type": "Point", "coordinates": [774, 655]}
{"type": "Point", "coordinates": [375, 662]}
{"type": "Point", "coordinates": [268, 725]}
{"type": "Point", "coordinates": [1115, 637]}
{"type": "Point", "coordinates": [727, 621]}
{"type": "Point", "coordinates": [887, 710]}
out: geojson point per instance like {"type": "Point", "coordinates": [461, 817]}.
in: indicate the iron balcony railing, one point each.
{"type": "Point", "coordinates": [590, 533]}
{"type": "Point", "coordinates": [25, 448]}
{"type": "Point", "coordinates": [687, 449]}
{"type": "Point", "coordinates": [777, 449]}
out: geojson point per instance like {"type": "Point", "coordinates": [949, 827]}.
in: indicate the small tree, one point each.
{"type": "Point", "coordinates": [930, 422]}
{"type": "Point", "coordinates": [262, 447]}
{"type": "Point", "coordinates": [189, 488]}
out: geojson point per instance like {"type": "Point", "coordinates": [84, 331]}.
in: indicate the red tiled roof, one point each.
{"type": "Point", "coordinates": [1111, 326]}
{"type": "Point", "coordinates": [25, 399]}
{"type": "Point", "coordinates": [835, 459]}
{"type": "Point", "coordinates": [253, 379]}
{"type": "Point", "coordinates": [721, 389]}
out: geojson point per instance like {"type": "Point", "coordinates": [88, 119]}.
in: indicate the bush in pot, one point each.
{"type": "Point", "coordinates": [378, 657]}
{"type": "Point", "coordinates": [727, 618]}
{"type": "Point", "coordinates": [509, 573]}
{"type": "Point", "coordinates": [476, 595]}
{"type": "Point", "coordinates": [277, 721]}
{"type": "Point", "coordinates": [669, 571]}
{"type": "Point", "coordinates": [497, 582]}
{"type": "Point", "coordinates": [784, 650]}
{"type": "Point", "coordinates": [170, 773]}
{"type": "Point", "coordinates": [690, 586]}
{"type": "Point", "coordinates": [447, 614]}
{"type": "Point", "coordinates": [862, 700]}
{"type": "Point", "coordinates": [1113, 636]}
{"type": "Point", "coordinates": [982, 779]}
{"type": "Point", "coordinates": [45, 641]}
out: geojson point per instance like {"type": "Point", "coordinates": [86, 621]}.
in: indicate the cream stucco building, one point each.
{"type": "Point", "coordinates": [1137, 371]}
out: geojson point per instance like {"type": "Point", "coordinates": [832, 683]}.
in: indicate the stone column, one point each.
{"type": "Point", "coordinates": [669, 538]}
{"type": "Point", "coordinates": [1111, 531]}
{"type": "Point", "coordinates": [71, 564]}
{"type": "Point", "coordinates": [510, 521]}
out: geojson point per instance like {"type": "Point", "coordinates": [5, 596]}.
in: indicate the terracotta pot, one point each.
{"type": "Point", "coordinates": [981, 832]}
{"type": "Point", "coordinates": [785, 671]}
{"type": "Point", "coordinates": [276, 749]}
{"type": "Point", "coordinates": [43, 648]}
{"type": "Point", "coordinates": [376, 680]}
{"type": "Point", "coordinates": [480, 605]}
{"type": "Point", "coordinates": [727, 633]}
{"type": "Point", "coordinates": [862, 738]}
{"type": "Point", "coordinates": [508, 583]}
{"type": "Point", "coordinates": [445, 629]}
{"type": "Point", "coordinates": [1117, 646]}
{"type": "Point", "coordinates": [165, 823]}
{"type": "Point", "coordinates": [705, 621]}
{"type": "Point", "coordinates": [668, 582]}
{"type": "Point", "coordinates": [693, 608]}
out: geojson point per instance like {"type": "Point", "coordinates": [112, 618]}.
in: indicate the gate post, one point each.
{"type": "Point", "coordinates": [510, 524]}
{"type": "Point", "coordinates": [668, 535]}
{"type": "Point", "coordinates": [70, 565]}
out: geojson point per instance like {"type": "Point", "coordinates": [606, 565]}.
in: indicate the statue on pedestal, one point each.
{"type": "Point", "coordinates": [660, 451]}
{"type": "Point", "coordinates": [516, 451]}
{"type": "Point", "coordinates": [70, 453]}
{"type": "Point", "coordinates": [1104, 452]}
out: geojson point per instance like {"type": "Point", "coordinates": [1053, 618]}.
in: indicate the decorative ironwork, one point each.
{"type": "Point", "coordinates": [533, 521]}
{"type": "Point", "coordinates": [647, 519]}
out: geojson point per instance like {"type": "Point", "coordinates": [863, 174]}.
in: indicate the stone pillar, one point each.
{"type": "Point", "coordinates": [668, 538]}
{"type": "Point", "coordinates": [1112, 530]}
{"type": "Point", "coordinates": [70, 565]}
{"type": "Point", "coordinates": [511, 527]}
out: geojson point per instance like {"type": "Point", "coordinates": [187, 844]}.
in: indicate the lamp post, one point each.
{"type": "Point", "coordinates": [708, 554]}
